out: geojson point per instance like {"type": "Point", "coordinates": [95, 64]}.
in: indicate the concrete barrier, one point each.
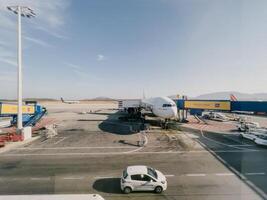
{"type": "Point", "coordinates": [27, 133]}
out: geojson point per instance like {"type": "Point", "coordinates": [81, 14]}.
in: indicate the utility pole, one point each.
{"type": "Point", "coordinates": [21, 11]}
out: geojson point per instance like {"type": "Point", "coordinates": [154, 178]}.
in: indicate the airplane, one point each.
{"type": "Point", "coordinates": [162, 107]}
{"type": "Point", "coordinates": [69, 102]}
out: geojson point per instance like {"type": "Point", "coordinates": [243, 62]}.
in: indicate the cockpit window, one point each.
{"type": "Point", "coordinates": [168, 105]}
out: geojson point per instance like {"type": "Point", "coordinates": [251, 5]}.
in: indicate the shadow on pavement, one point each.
{"type": "Point", "coordinates": [116, 126]}
{"type": "Point", "coordinates": [108, 185]}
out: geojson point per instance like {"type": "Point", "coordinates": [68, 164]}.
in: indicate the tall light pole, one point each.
{"type": "Point", "coordinates": [21, 11]}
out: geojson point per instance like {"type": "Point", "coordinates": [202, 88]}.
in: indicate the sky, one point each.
{"type": "Point", "coordinates": [80, 49]}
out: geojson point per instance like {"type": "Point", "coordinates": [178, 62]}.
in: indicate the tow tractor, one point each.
{"type": "Point", "coordinates": [215, 116]}
{"type": "Point", "coordinates": [246, 126]}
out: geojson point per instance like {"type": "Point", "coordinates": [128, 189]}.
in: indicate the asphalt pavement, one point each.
{"type": "Point", "coordinates": [85, 159]}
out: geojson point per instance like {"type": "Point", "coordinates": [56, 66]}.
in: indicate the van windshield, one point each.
{"type": "Point", "coordinates": [152, 172]}
{"type": "Point", "coordinates": [124, 174]}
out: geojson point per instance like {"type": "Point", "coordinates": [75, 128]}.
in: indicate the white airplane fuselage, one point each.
{"type": "Point", "coordinates": [68, 101]}
{"type": "Point", "coordinates": [162, 107]}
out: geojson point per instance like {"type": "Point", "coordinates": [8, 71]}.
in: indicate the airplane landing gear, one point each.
{"type": "Point", "coordinates": [164, 124]}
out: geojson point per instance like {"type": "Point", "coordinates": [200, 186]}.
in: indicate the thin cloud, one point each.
{"type": "Point", "coordinates": [56, 34]}
{"type": "Point", "coordinates": [73, 66]}
{"type": "Point", "coordinates": [50, 13]}
{"type": "Point", "coordinates": [37, 41]}
{"type": "Point", "coordinates": [101, 57]}
{"type": "Point", "coordinates": [83, 75]}
{"type": "Point", "coordinates": [9, 61]}
{"type": "Point", "coordinates": [7, 57]}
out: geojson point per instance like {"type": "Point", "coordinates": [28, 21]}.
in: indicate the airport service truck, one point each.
{"type": "Point", "coordinates": [132, 107]}
{"type": "Point", "coordinates": [129, 104]}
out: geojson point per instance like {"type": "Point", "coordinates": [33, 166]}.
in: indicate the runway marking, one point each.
{"type": "Point", "coordinates": [40, 178]}
{"type": "Point", "coordinates": [58, 148]}
{"type": "Point", "coordinates": [224, 174]}
{"type": "Point", "coordinates": [230, 138]}
{"type": "Point", "coordinates": [243, 145]}
{"type": "Point", "coordinates": [50, 139]}
{"type": "Point", "coordinates": [204, 145]}
{"type": "Point", "coordinates": [240, 175]}
{"type": "Point", "coordinates": [191, 135]}
{"type": "Point", "coordinates": [73, 178]}
{"type": "Point", "coordinates": [169, 175]}
{"type": "Point", "coordinates": [124, 153]}
{"type": "Point", "coordinates": [195, 174]}
{"type": "Point", "coordinates": [255, 173]}
{"type": "Point", "coordinates": [60, 140]}
{"type": "Point", "coordinates": [140, 148]}
{"type": "Point", "coordinates": [215, 141]}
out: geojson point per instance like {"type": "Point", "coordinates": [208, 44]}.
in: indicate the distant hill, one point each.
{"type": "Point", "coordinates": [39, 99]}
{"type": "Point", "coordinates": [101, 99]}
{"type": "Point", "coordinates": [29, 99]}
{"type": "Point", "coordinates": [239, 96]}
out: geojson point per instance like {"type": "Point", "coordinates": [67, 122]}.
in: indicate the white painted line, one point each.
{"type": "Point", "coordinates": [140, 148]}
{"type": "Point", "coordinates": [202, 144]}
{"type": "Point", "coordinates": [60, 140]}
{"type": "Point", "coordinates": [44, 141]}
{"type": "Point", "coordinates": [224, 174]}
{"type": "Point", "coordinates": [195, 174]}
{"type": "Point", "coordinates": [191, 135]}
{"type": "Point", "coordinates": [65, 148]}
{"type": "Point", "coordinates": [73, 178]}
{"type": "Point", "coordinates": [169, 175]}
{"type": "Point", "coordinates": [242, 145]}
{"type": "Point", "coordinates": [217, 142]}
{"type": "Point", "coordinates": [15, 179]}
{"type": "Point", "coordinates": [40, 178]}
{"type": "Point", "coordinates": [252, 185]}
{"type": "Point", "coordinates": [122, 153]}
{"type": "Point", "coordinates": [255, 173]}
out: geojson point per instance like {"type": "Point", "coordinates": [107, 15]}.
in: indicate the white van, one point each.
{"type": "Point", "coordinates": [142, 178]}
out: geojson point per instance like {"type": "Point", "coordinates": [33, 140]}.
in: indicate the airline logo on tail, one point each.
{"type": "Point", "coordinates": [233, 97]}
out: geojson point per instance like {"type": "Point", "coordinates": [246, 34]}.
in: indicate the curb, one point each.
{"type": "Point", "coordinates": [12, 145]}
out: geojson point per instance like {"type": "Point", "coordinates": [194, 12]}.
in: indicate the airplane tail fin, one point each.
{"type": "Point", "coordinates": [233, 97]}
{"type": "Point", "coordinates": [61, 98]}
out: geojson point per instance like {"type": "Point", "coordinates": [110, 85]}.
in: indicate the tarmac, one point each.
{"type": "Point", "coordinates": [93, 147]}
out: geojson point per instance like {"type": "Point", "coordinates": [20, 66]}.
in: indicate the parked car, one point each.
{"type": "Point", "coordinates": [142, 178]}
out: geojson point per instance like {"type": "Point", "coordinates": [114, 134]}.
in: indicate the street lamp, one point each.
{"type": "Point", "coordinates": [21, 11]}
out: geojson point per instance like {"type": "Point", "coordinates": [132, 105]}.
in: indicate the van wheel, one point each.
{"type": "Point", "coordinates": [127, 190]}
{"type": "Point", "coordinates": [158, 189]}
